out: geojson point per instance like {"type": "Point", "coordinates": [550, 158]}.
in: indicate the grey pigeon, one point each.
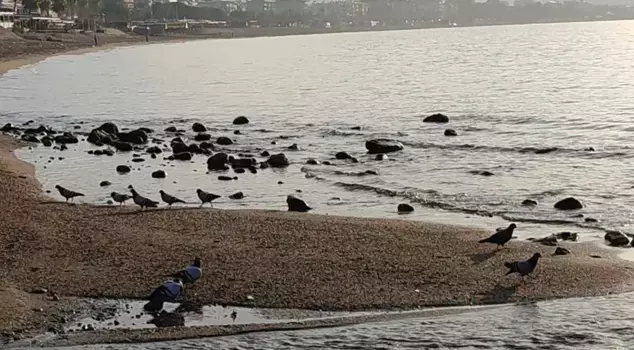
{"type": "Point", "coordinates": [206, 197]}
{"type": "Point", "coordinates": [68, 194]}
{"type": "Point", "coordinates": [523, 267]}
{"type": "Point", "coordinates": [119, 197]}
{"type": "Point", "coordinates": [168, 292]}
{"type": "Point", "coordinates": [501, 237]}
{"type": "Point", "coordinates": [142, 201]}
{"type": "Point", "coordinates": [169, 199]}
{"type": "Point", "coordinates": [191, 273]}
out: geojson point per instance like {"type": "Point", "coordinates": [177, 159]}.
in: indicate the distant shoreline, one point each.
{"type": "Point", "coordinates": [30, 51]}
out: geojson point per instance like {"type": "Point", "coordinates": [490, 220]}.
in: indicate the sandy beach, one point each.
{"type": "Point", "coordinates": [282, 259]}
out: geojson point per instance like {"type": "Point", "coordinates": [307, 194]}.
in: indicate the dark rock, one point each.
{"type": "Point", "coordinates": [109, 128]}
{"type": "Point", "coordinates": [436, 118]}
{"type": "Point", "coordinates": [381, 156]}
{"type": "Point", "coordinates": [63, 147]}
{"type": "Point", "coordinates": [241, 120]}
{"type": "Point", "coordinates": [562, 251]}
{"type": "Point", "coordinates": [529, 203]}
{"type": "Point", "coordinates": [154, 150]}
{"type": "Point", "coordinates": [30, 138]}
{"type": "Point", "coordinates": [265, 154]}
{"type": "Point", "coordinates": [481, 172]}
{"type": "Point", "coordinates": [312, 162]}
{"type": "Point", "coordinates": [280, 183]}
{"type": "Point", "coordinates": [342, 155]}
{"type": "Point", "coordinates": [589, 149]}
{"type": "Point", "coordinates": [153, 156]}
{"type": "Point", "coordinates": [123, 169]}
{"type": "Point", "coordinates": [591, 220]}
{"type": "Point", "coordinates": [225, 178]}
{"type": "Point", "coordinates": [569, 203]}
{"type": "Point", "coordinates": [122, 146]}
{"type": "Point", "coordinates": [326, 163]}
{"type": "Point", "coordinates": [278, 161]}
{"type": "Point", "coordinates": [355, 128]}
{"type": "Point", "coordinates": [138, 160]}
{"type": "Point", "coordinates": [296, 204]}
{"type": "Point", "coordinates": [253, 170]}
{"type": "Point", "coordinates": [218, 162]}
{"type": "Point", "coordinates": [108, 152]}
{"type": "Point", "coordinates": [225, 141]}
{"type": "Point", "coordinates": [183, 156]}
{"type": "Point", "coordinates": [194, 148]}
{"type": "Point", "coordinates": [137, 137]}
{"type": "Point", "coordinates": [239, 170]}
{"type": "Point", "coordinates": [9, 127]}
{"type": "Point", "coordinates": [197, 127]}
{"type": "Point", "coordinates": [242, 162]}
{"type": "Point", "coordinates": [293, 147]}
{"type": "Point", "coordinates": [567, 236]}
{"type": "Point", "coordinates": [39, 130]}
{"type": "Point", "coordinates": [77, 127]}
{"type": "Point", "coordinates": [66, 138]}
{"type": "Point", "coordinates": [405, 208]}
{"type": "Point", "coordinates": [46, 141]}
{"type": "Point", "coordinates": [159, 174]}
{"type": "Point", "coordinates": [179, 147]}
{"type": "Point", "coordinates": [237, 195]}
{"type": "Point", "coordinates": [548, 241]}
{"type": "Point", "coordinates": [170, 129]}
{"type": "Point", "coordinates": [383, 146]}
{"type": "Point", "coordinates": [616, 238]}
{"type": "Point", "coordinates": [202, 137]}
{"type": "Point", "coordinates": [207, 145]}
{"type": "Point", "coordinates": [105, 183]}
{"type": "Point", "coordinates": [101, 136]}
{"type": "Point", "coordinates": [237, 132]}
{"type": "Point", "coordinates": [451, 132]}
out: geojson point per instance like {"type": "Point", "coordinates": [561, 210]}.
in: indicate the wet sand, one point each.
{"type": "Point", "coordinates": [283, 260]}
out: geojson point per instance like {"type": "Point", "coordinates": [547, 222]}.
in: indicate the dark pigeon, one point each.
{"type": "Point", "coordinates": [169, 199]}
{"type": "Point", "coordinates": [206, 197]}
{"type": "Point", "coordinates": [168, 292]}
{"type": "Point", "coordinates": [523, 267]}
{"type": "Point", "coordinates": [142, 201]}
{"type": "Point", "coordinates": [501, 237]}
{"type": "Point", "coordinates": [68, 194]}
{"type": "Point", "coordinates": [191, 273]}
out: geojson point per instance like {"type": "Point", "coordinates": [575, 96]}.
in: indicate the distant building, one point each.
{"type": "Point", "coordinates": [10, 6]}
{"type": "Point", "coordinates": [224, 5]}
{"type": "Point", "coordinates": [261, 6]}
{"type": "Point", "coordinates": [359, 9]}
{"type": "Point", "coordinates": [289, 6]}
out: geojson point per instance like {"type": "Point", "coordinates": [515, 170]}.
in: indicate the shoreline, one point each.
{"type": "Point", "coordinates": [78, 48]}
{"type": "Point", "coordinates": [285, 260]}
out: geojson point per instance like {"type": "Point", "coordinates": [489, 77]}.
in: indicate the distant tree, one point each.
{"type": "Point", "coordinates": [58, 6]}
{"type": "Point", "coordinates": [45, 7]}
{"type": "Point", "coordinates": [31, 5]}
{"type": "Point", "coordinates": [114, 10]}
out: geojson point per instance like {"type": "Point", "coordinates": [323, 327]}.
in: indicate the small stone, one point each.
{"type": "Point", "coordinates": [451, 132]}
{"type": "Point", "coordinates": [591, 220]}
{"type": "Point", "coordinates": [237, 195]}
{"type": "Point", "coordinates": [405, 208]}
{"type": "Point", "coordinates": [280, 183]}
{"type": "Point", "coordinates": [529, 203]}
{"type": "Point", "coordinates": [116, 323]}
{"type": "Point", "coordinates": [562, 251]}
{"type": "Point", "coordinates": [159, 174]}
{"type": "Point", "coordinates": [123, 169]}
{"type": "Point", "coordinates": [105, 183]}
{"type": "Point", "coordinates": [224, 178]}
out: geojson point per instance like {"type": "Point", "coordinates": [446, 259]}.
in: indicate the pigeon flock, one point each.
{"type": "Point", "coordinates": [522, 267]}
{"type": "Point", "coordinates": [173, 288]}
{"type": "Point", "coordinates": [143, 202]}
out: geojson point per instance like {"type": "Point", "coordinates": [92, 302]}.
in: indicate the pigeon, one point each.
{"type": "Point", "coordinates": [501, 237]}
{"type": "Point", "coordinates": [119, 197]}
{"type": "Point", "coordinates": [169, 199]}
{"type": "Point", "coordinates": [168, 292]}
{"type": "Point", "coordinates": [142, 201]}
{"type": "Point", "coordinates": [191, 273]}
{"type": "Point", "coordinates": [234, 315]}
{"type": "Point", "coordinates": [68, 194]}
{"type": "Point", "coordinates": [523, 267]}
{"type": "Point", "coordinates": [206, 197]}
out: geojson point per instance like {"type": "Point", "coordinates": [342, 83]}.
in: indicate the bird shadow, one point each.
{"type": "Point", "coordinates": [479, 258]}
{"type": "Point", "coordinates": [499, 294]}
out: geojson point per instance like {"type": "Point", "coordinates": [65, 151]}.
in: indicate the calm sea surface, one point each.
{"type": "Point", "coordinates": [527, 103]}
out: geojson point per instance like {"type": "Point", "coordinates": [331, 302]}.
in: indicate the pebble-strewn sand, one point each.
{"type": "Point", "coordinates": [281, 259]}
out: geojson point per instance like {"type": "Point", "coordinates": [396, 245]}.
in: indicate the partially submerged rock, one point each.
{"type": "Point", "coordinates": [241, 120]}
{"type": "Point", "coordinates": [123, 169]}
{"type": "Point", "coordinates": [383, 146]}
{"type": "Point", "coordinates": [404, 208]}
{"type": "Point", "coordinates": [616, 238]}
{"type": "Point", "coordinates": [278, 161]}
{"type": "Point", "coordinates": [436, 118]}
{"type": "Point", "coordinates": [198, 127]}
{"type": "Point", "coordinates": [569, 203]}
{"type": "Point", "coordinates": [451, 132]}
{"type": "Point", "coordinates": [529, 203]}
{"type": "Point", "coordinates": [159, 174]}
{"type": "Point", "coordinates": [296, 204]}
